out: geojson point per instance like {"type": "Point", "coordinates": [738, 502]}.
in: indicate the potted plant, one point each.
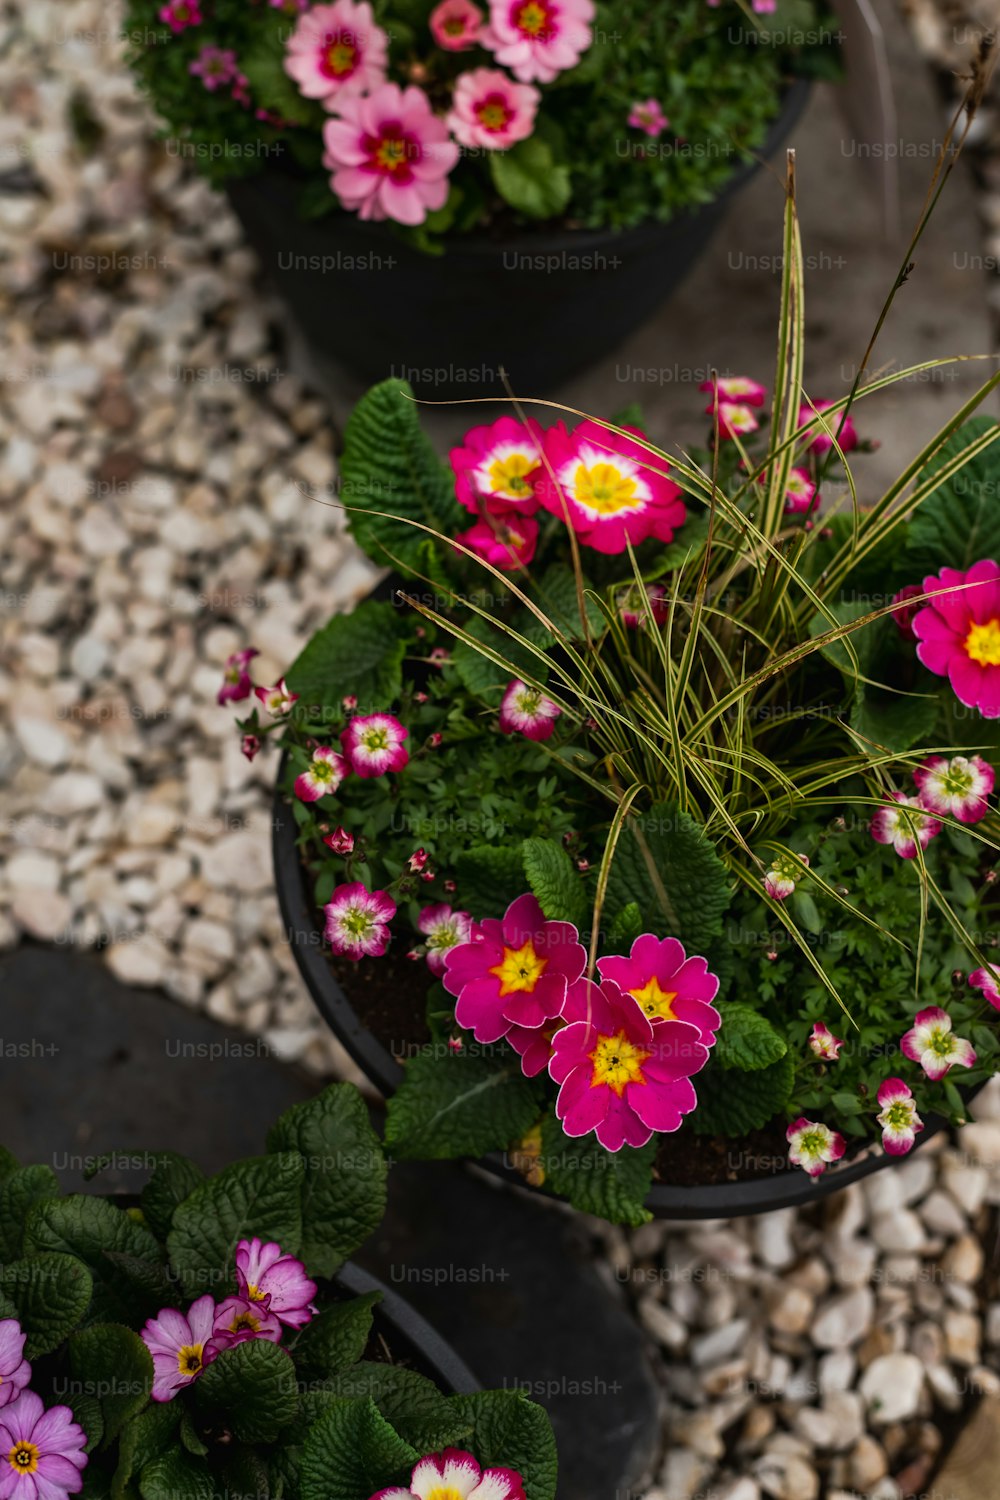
{"type": "Point", "coordinates": [569, 159]}
{"type": "Point", "coordinates": [210, 1338]}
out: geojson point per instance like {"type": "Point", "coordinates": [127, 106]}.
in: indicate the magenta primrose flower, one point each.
{"type": "Point", "coordinates": [823, 1043]}
{"type": "Point", "coordinates": [494, 466]}
{"type": "Point", "coordinates": [539, 39]}
{"type": "Point", "coordinates": [337, 52]}
{"type": "Point", "coordinates": [237, 1320]}
{"type": "Point", "coordinates": [987, 981]}
{"type": "Point", "coordinates": [277, 700]}
{"type": "Point", "coordinates": [456, 1475]}
{"type": "Point", "coordinates": [216, 66]}
{"type": "Point", "coordinates": [44, 1450]}
{"type": "Point", "coordinates": [373, 744]}
{"type": "Point", "coordinates": [905, 611]}
{"type": "Point", "coordinates": [340, 841]}
{"type": "Point", "coordinates": [958, 633]}
{"type": "Point", "coordinates": [533, 1044]}
{"type": "Point", "coordinates": [357, 921]}
{"type": "Point", "coordinates": [621, 1075]}
{"type": "Point", "coordinates": [648, 116]}
{"type": "Point", "coordinates": [904, 826]}
{"type": "Point", "coordinates": [180, 14]}
{"type": "Point", "coordinates": [389, 154]}
{"type": "Point", "coordinates": [898, 1118]}
{"type": "Point", "coordinates": [236, 683]}
{"type": "Point", "coordinates": [270, 1279]}
{"type": "Point", "coordinates": [181, 1346]}
{"type": "Point", "coordinates": [514, 971]}
{"type": "Point", "coordinates": [812, 1146]}
{"type": "Point", "coordinates": [667, 985]}
{"type": "Point", "coordinates": [505, 541]}
{"type": "Point", "coordinates": [841, 427]}
{"type": "Point", "coordinates": [491, 111]}
{"type": "Point", "coordinates": [443, 930]}
{"type": "Point", "coordinates": [525, 710]}
{"type": "Point", "coordinates": [956, 788]}
{"type": "Point", "coordinates": [456, 25]}
{"type": "Point", "coordinates": [249, 745]}
{"type": "Point", "coordinates": [932, 1043]}
{"type": "Point", "coordinates": [322, 777]}
{"type": "Point", "coordinates": [15, 1372]}
{"type": "Point", "coordinates": [608, 487]}
{"type": "Point", "coordinates": [801, 494]}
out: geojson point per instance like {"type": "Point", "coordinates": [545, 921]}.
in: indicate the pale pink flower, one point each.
{"type": "Point", "coordinates": [491, 111]}
{"type": "Point", "coordinates": [373, 744]}
{"type": "Point", "coordinates": [823, 1042]}
{"type": "Point", "coordinates": [389, 155]}
{"type": "Point", "coordinates": [785, 872]}
{"type": "Point", "coordinates": [736, 388]}
{"type": "Point", "coordinates": [801, 494]}
{"type": "Point", "coordinates": [337, 52]}
{"type": "Point", "coordinates": [736, 419]}
{"type": "Point", "coordinates": [456, 25]}
{"type": "Point", "coordinates": [648, 116]}
{"type": "Point", "coordinates": [525, 710]}
{"type": "Point", "coordinates": [277, 700]}
{"type": "Point", "coordinates": [539, 39]}
{"type": "Point", "coordinates": [340, 841]}
{"type": "Point", "coordinates": [841, 427]}
{"type": "Point", "coordinates": [214, 66]}
{"type": "Point", "coordinates": [987, 980]}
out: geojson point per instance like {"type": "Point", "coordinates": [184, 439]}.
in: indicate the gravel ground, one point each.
{"type": "Point", "coordinates": [161, 483]}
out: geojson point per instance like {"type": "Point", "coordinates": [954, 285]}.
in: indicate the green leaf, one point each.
{"type": "Point", "coordinates": [895, 720]}
{"type": "Point", "coordinates": [336, 1339]}
{"type": "Point", "coordinates": [460, 1104]}
{"type": "Point", "coordinates": [511, 1432]}
{"type": "Point", "coordinates": [557, 598]}
{"type": "Point", "coordinates": [613, 1185]}
{"type": "Point", "coordinates": [360, 653]}
{"type": "Point", "coordinates": [389, 465]}
{"type": "Point", "coordinates": [189, 1437]}
{"type": "Point", "coordinates": [529, 178]}
{"type": "Point", "coordinates": [626, 926]}
{"type": "Point", "coordinates": [411, 1404]}
{"type": "Point", "coordinates": [482, 677]}
{"type": "Point", "coordinates": [23, 1187]}
{"type": "Point", "coordinates": [746, 1039]}
{"type": "Point", "coordinates": [112, 1363]}
{"type": "Point", "coordinates": [555, 880]}
{"type": "Point", "coordinates": [731, 1103]}
{"type": "Point", "coordinates": [261, 1196]}
{"type": "Point", "coordinates": [270, 84]}
{"type": "Point", "coordinates": [174, 1178]}
{"type": "Point", "coordinates": [143, 1439]}
{"type": "Point", "coordinates": [692, 875]}
{"type": "Point", "coordinates": [177, 1474]}
{"type": "Point", "coordinates": [344, 1187]}
{"type": "Point", "coordinates": [489, 878]}
{"type": "Point", "coordinates": [51, 1293]}
{"type": "Point", "coordinates": [252, 1387]}
{"type": "Point", "coordinates": [352, 1451]}
{"type": "Point", "coordinates": [960, 522]}
{"type": "Point", "coordinates": [8, 1163]}
{"type": "Point", "coordinates": [87, 1228]}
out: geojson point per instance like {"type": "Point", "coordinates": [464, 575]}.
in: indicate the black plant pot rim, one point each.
{"type": "Point", "coordinates": [555, 241]}
{"type": "Point", "coordinates": [791, 1188]}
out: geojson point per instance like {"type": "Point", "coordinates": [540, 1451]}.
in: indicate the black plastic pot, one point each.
{"type": "Point", "coordinates": [542, 306]}
{"type": "Point", "coordinates": [789, 1188]}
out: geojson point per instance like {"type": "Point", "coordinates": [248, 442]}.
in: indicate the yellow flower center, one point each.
{"type": "Point", "coordinates": [254, 1293]}
{"type": "Point", "coordinates": [375, 739]}
{"type": "Point", "coordinates": [23, 1458]}
{"type": "Point", "coordinates": [444, 1492]}
{"type": "Point", "coordinates": [189, 1359]}
{"type": "Point", "coordinates": [617, 1063]}
{"type": "Point", "coordinates": [508, 475]}
{"type": "Point", "coordinates": [533, 18]}
{"type": "Point", "coordinates": [390, 154]}
{"type": "Point", "coordinates": [982, 643]}
{"type": "Point", "coordinates": [244, 1322]}
{"type": "Point", "coordinates": [341, 56]}
{"type": "Point", "coordinates": [604, 488]}
{"type": "Point", "coordinates": [655, 1001]}
{"type": "Point", "coordinates": [519, 970]}
{"type": "Point", "coordinates": [494, 114]}
{"type": "Point", "coordinates": [897, 1116]}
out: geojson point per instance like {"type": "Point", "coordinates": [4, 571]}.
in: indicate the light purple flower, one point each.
{"type": "Point", "coordinates": [41, 1452]}
{"type": "Point", "coordinates": [239, 1319]}
{"type": "Point", "coordinates": [180, 1346]}
{"type": "Point", "coordinates": [15, 1372]}
{"type": "Point", "coordinates": [278, 1282]}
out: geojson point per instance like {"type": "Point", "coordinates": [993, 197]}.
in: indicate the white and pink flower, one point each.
{"type": "Point", "coordinates": [987, 980]}
{"type": "Point", "coordinates": [506, 542]}
{"type": "Point", "coordinates": [373, 744]}
{"type": "Point", "coordinates": [904, 826]}
{"type": "Point", "coordinates": [456, 1475]}
{"type": "Point", "coordinates": [489, 110]}
{"type": "Point", "coordinates": [932, 1043]}
{"type": "Point", "coordinates": [539, 39]}
{"type": "Point", "coordinates": [647, 115]}
{"type": "Point", "coordinates": [823, 1043]}
{"type": "Point", "coordinates": [736, 419]}
{"type": "Point", "coordinates": [337, 52]}
{"type": "Point", "coordinates": [812, 1146]}
{"type": "Point", "coordinates": [236, 683]}
{"type": "Point", "coordinates": [783, 876]}
{"type": "Point", "coordinates": [526, 710]}
{"type": "Point", "coordinates": [637, 615]}
{"type": "Point", "coordinates": [956, 788]}
{"type": "Point", "coordinates": [609, 488]}
{"type": "Point", "coordinates": [898, 1118]}
{"type": "Point", "coordinates": [357, 921]}
{"type": "Point", "coordinates": [456, 25]}
{"type": "Point", "coordinates": [494, 466]}
{"type": "Point", "coordinates": [389, 155]}
{"type": "Point", "coordinates": [325, 772]}
{"type": "Point", "coordinates": [340, 841]}
{"type": "Point", "coordinates": [277, 700]}
{"type": "Point", "coordinates": [443, 929]}
{"type": "Point", "coordinates": [739, 389]}
{"type": "Point", "coordinates": [801, 493]}
{"type": "Point", "coordinates": [15, 1372]}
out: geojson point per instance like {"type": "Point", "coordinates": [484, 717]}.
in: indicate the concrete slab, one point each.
{"type": "Point", "coordinates": [725, 313]}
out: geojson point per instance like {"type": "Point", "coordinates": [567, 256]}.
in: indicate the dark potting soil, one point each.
{"type": "Point", "coordinates": [389, 996]}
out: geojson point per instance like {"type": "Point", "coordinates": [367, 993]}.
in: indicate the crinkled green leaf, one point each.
{"type": "Point", "coordinates": [177, 1475]}
{"type": "Point", "coordinates": [111, 1363]}
{"type": "Point", "coordinates": [512, 1432]}
{"type": "Point", "coordinates": [465, 1103]}
{"type": "Point", "coordinates": [959, 524]}
{"type": "Point", "coordinates": [352, 1451]}
{"type": "Point", "coordinates": [530, 179]}
{"type": "Point", "coordinates": [144, 1438]}
{"type": "Point", "coordinates": [411, 1404]}
{"type": "Point", "coordinates": [336, 1339]}
{"type": "Point", "coordinates": [252, 1388]}
{"type": "Point", "coordinates": [18, 1191]}
{"type": "Point", "coordinates": [261, 1196]}
{"type": "Point", "coordinates": [691, 872]}
{"type": "Point", "coordinates": [174, 1178]}
{"type": "Point", "coordinates": [87, 1228]}
{"type": "Point", "coordinates": [731, 1103]}
{"type": "Point", "coordinates": [746, 1039]}
{"type": "Point", "coordinates": [360, 653]}
{"type": "Point", "coordinates": [555, 880]}
{"type": "Point", "coordinates": [51, 1293]}
{"type": "Point", "coordinates": [489, 878]}
{"type": "Point", "coordinates": [613, 1185]}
